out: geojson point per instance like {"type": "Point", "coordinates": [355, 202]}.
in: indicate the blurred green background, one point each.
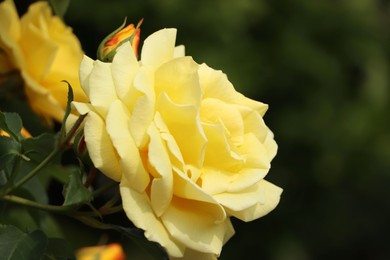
{"type": "Point", "coordinates": [323, 67]}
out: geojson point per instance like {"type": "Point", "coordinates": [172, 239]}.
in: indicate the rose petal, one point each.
{"type": "Point", "coordinates": [179, 51]}
{"type": "Point", "coordinates": [100, 148]}
{"type": "Point", "coordinates": [10, 32]}
{"type": "Point", "coordinates": [215, 181]}
{"type": "Point", "coordinates": [255, 153]}
{"type": "Point", "coordinates": [179, 80]}
{"type": "Point", "coordinates": [184, 125]}
{"type": "Point", "coordinates": [162, 185]}
{"type": "Point", "coordinates": [143, 108]}
{"type": "Point", "coordinates": [243, 205]}
{"type": "Point", "coordinates": [138, 209]}
{"type": "Point", "coordinates": [101, 87]}
{"type": "Point", "coordinates": [220, 153]}
{"type": "Point", "coordinates": [213, 110]}
{"type": "Point", "coordinates": [185, 188]}
{"type": "Point", "coordinates": [117, 125]}
{"type": "Point", "coordinates": [124, 68]}
{"type": "Point", "coordinates": [158, 48]}
{"type": "Point", "coordinates": [215, 84]}
{"type": "Point", "coordinates": [86, 66]}
{"type": "Point", "coordinates": [188, 222]}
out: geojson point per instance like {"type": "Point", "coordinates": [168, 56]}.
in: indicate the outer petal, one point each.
{"type": "Point", "coordinates": [159, 47]}
{"type": "Point", "coordinates": [100, 147]}
{"type": "Point", "coordinates": [124, 68]}
{"type": "Point", "coordinates": [138, 209]}
{"type": "Point", "coordinates": [187, 222]}
{"type": "Point", "coordinates": [101, 87]}
{"type": "Point", "coordinates": [243, 205]}
{"type": "Point", "coordinates": [215, 84]}
{"type": "Point", "coordinates": [117, 125]}
{"type": "Point", "coordinates": [215, 181]}
{"type": "Point", "coordinates": [86, 67]}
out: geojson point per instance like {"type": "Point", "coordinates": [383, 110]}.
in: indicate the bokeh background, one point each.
{"type": "Point", "coordinates": [323, 68]}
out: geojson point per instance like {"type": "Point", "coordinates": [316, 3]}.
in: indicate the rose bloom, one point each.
{"type": "Point", "coordinates": [188, 150]}
{"type": "Point", "coordinates": [45, 51]}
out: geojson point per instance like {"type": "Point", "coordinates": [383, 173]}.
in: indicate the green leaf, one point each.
{"type": "Point", "coordinates": [75, 192]}
{"type": "Point", "coordinates": [10, 150]}
{"type": "Point", "coordinates": [59, 248]}
{"type": "Point", "coordinates": [59, 7]}
{"type": "Point", "coordinates": [39, 147]}
{"type": "Point", "coordinates": [12, 124]}
{"type": "Point", "coordinates": [17, 245]}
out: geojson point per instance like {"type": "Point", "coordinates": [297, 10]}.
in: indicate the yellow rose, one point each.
{"type": "Point", "coordinates": [45, 51]}
{"type": "Point", "coordinates": [188, 150]}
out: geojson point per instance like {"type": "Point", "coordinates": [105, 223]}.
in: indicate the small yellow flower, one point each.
{"type": "Point", "coordinates": [45, 51]}
{"type": "Point", "coordinates": [188, 150]}
{"type": "Point", "coordinates": [107, 252]}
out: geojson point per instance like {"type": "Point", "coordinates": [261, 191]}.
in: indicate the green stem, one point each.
{"type": "Point", "coordinates": [34, 171]}
{"type": "Point", "coordinates": [37, 205]}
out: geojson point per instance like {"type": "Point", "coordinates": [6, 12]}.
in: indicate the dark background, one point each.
{"type": "Point", "coordinates": [323, 67]}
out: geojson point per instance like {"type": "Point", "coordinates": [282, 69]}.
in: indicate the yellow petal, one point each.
{"type": "Point", "coordinates": [215, 84]}
{"type": "Point", "coordinates": [220, 152]}
{"type": "Point", "coordinates": [178, 78]}
{"type": "Point", "coordinates": [10, 26]}
{"type": "Point", "coordinates": [144, 103]}
{"type": "Point", "coordinates": [86, 67]}
{"type": "Point", "coordinates": [101, 87]}
{"type": "Point", "coordinates": [10, 32]}
{"type": "Point", "coordinates": [179, 51]}
{"type": "Point", "coordinates": [270, 145]}
{"type": "Point", "coordinates": [100, 148]}
{"type": "Point", "coordinates": [215, 181]}
{"type": "Point", "coordinates": [255, 153]}
{"type": "Point", "coordinates": [82, 108]}
{"type": "Point", "coordinates": [174, 150]}
{"type": "Point", "coordinates": [184, 125]}
{"type": "Point", "coordinates": [117, 125]}
{"type": "Point", "coordinates": [41, 101]}
{"type": "Point", "coordinates": [214, 110]}
{"type": "Point", "coordinates": [138, 209]}
{"type": "Point", "coordinates": [190, 223]}
{"type": "Point", "coordinates": [124, 68]}
{"type": "Point", "coordinates": [162, 185]}
{"type": "Point", "coordinates": [39, 52]}
{"type": "Point", "coordinates": [243, 205]}
{"type": "Point", "coordinates": [158, 48]}
{"type": "Point", "coordinates": [185, 188]}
